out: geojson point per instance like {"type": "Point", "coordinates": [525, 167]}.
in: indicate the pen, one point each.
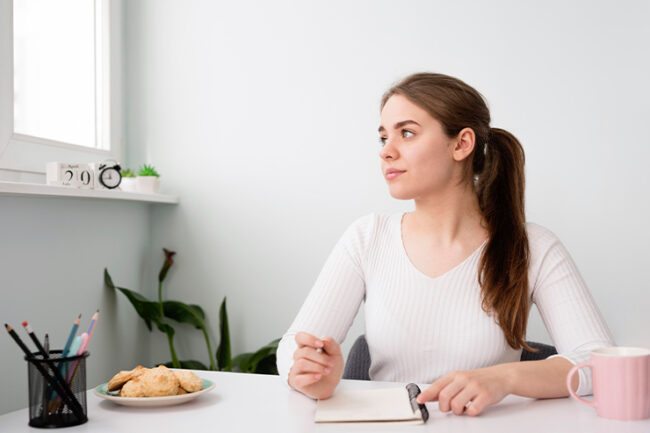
{"type": "Point", "coordinates": [46, 346]}
{"type": "Point", "coordinates": [59, 386]}
{"type": "Point", "coordinates": [57, 374]}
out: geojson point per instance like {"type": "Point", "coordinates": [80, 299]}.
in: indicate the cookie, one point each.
{"type": "Point", "coordinates": [189, 381]}
{"type": "Point", "coordinates": [159, 381]}
{"type": "Point", "coordinates": [124, 376]}
{"type": "Point", "coordinates": [133, 388]}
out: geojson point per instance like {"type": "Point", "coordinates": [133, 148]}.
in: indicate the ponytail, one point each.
{"type": "Point", "coordinates": [503, 270]}
{"type": "Point", "coordinates": [497, 169]}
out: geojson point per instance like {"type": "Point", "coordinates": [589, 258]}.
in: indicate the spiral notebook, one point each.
{"type": "Point", "coordinates": [386, 405]}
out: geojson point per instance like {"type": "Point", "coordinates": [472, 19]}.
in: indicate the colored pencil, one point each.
{"type": "Point", "coordinates": [85, 340]}
{"type": "Point", "coordinates": [74, 347]}
{"type": "Point", "coordinates": [67, 392]}
{"type": "Point", "coordinates": [91, 328]}
{"type": "Point", "coordinates": [74, 369]}
{"type": "Point", "coordinates": [72, 351]}
{"type": "Point", "coordinates": [62, 366]}
{"type": "Point", "coordinates": [73, 332]}
{"type": "Point", "coordinates": [72, 403]}
{"type": "Point", "coordinates": [72, 373]}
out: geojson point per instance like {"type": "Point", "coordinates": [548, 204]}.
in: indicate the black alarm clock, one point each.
{"type": "Point", "coordinates": [108, 175]}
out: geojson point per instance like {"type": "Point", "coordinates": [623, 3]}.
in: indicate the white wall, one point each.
{"type": "Point", "coordinates": [263, 117]}
{"type": "Point", "coordinates": [53, 252]}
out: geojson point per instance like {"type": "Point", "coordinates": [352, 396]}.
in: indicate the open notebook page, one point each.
{"type": "Point", "coordinates": [371, 405]}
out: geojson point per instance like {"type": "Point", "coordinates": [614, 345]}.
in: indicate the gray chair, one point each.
{"type": "Point", "coordinates": [358, 362]}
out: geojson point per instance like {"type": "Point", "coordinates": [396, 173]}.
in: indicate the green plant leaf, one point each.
{"type": "Point", "coordinates": [148, 170]}
{"type": "Point", "coordinates": [267, 365]}
{"type": "Point", "coordinates": [241, 362]}
{"type": "Point", "coordinates": [190, 364]}
{"type": "Point", "coordinates": [169, 261]}
{"type": "Point", "coordinates": [146, 309]}
{"type": "Point", "coordinates": [192, 314]}
{"type": "Point", "coordinates": [263, 353]}
{"type": "Point", "coordinates": [262, 361]}
{"type": "Point", "coordinates": [167, 329]}
{"type": "Point", "coordinates": [184, 313]}
{"type": "Point", "coordinates": [108, 280]}
{"type": "Point", "coordinates": [224, 357]}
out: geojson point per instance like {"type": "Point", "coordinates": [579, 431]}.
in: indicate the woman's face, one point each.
{"type": "Point", "coordinates": [414, 143]}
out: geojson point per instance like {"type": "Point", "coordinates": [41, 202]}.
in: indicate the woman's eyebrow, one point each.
{"type": "Point", "coordinates": [399, 125]}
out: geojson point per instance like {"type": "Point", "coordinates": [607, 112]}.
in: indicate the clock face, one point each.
{"type": "Point", "coordinates": [110, 178]}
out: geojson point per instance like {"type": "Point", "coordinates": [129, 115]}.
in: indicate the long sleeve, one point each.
{"type": "Point", "coordinates": [567, 308]}
{"type": "Point", "coordinates": [335, 298]}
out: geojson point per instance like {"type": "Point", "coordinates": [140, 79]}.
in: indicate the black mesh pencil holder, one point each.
{"type": "Point", "coordinates": [57, 390]}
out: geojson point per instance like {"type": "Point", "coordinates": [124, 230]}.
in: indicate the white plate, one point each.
{"type": "Point", "coordinates": [101, 391]}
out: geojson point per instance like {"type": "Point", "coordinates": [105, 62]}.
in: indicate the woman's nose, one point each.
{"type": "Point", "coordinates": [387, 150]}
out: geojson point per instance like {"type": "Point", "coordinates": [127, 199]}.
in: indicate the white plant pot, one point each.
{"type": "Point", "coordinates": [148, 184]}
{"type": "Point", "coordinates": [128, 184]}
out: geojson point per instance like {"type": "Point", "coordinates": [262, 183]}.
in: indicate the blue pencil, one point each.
{"type": "Point", "coordinates": [73, 332]}
{"type": "Point", "coordinates": [92, 323]}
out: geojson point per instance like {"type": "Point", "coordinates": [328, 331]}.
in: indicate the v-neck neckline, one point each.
{"type": "Point", "coordinates": [404, 254]}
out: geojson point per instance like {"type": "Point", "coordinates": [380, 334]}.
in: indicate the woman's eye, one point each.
{"type": "Point", "coordinates": [405, 133]}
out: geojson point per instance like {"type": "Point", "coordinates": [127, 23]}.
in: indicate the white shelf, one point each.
{"type": "Point", "coordinates": [42, 190]}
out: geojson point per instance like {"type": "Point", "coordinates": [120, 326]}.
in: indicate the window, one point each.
{"type": "Point", "coordinates": [59, 84]}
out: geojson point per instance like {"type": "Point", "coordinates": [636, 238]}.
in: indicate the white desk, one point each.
{"type": "Point", "coordinates": [259, 403]}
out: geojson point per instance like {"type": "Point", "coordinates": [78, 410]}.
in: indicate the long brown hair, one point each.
{"type": "Point", "coordinates": [496, 167]}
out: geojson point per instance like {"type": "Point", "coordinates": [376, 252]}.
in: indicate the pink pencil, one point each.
{"type": "Point", "coordinates": [82, 349]}
{"type": "Point", "coordinates": [93, 322]}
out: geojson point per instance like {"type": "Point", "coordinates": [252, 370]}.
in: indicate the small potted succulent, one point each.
{"type": "Point", "coordinates": [128, 181]}
{"type": "Point", "coordinates": [148, 180]}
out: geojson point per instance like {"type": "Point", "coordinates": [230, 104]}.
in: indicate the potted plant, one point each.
{"type": "Point", "coordinates": [148, 180]}
{"type": "Point", "coordinates": [163, 314]}
{"type": "Point", "coordinates": [128, 181]}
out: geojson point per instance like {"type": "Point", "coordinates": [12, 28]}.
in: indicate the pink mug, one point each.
{"type": "Point", "coordinates": [620, 382]}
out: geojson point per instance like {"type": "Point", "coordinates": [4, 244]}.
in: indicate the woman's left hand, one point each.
{"type": "Point", "coordinates": [482, 387]}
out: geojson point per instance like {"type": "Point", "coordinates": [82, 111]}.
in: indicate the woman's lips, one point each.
{"type": "Point", "coordinates": [393, 175]}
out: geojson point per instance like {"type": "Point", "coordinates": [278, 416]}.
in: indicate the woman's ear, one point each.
{"type": "Point", "coordinates": [464, 145]}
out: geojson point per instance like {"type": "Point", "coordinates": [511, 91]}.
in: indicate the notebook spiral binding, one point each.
{"type": "Point", "coordinates": [414, 391]}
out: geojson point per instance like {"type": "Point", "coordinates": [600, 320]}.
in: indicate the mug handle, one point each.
{"type": "Point", "coordinates": [569, 377]}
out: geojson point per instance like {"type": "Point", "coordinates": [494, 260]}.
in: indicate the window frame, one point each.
{"type": "Point", "coordinates": [24, 157]}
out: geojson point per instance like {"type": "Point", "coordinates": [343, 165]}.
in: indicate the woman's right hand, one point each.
{"type": "Point", "coordinates": [316, 374]}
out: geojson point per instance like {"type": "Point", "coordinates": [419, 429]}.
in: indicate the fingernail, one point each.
{"type": "Point", "coordinates": [319, 343]}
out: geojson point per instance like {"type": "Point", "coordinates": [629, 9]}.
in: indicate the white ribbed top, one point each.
{"type": "Point", "coordinates": [419, 328]}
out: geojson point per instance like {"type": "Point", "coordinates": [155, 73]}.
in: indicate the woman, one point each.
{"type": "Point", "coordinates": [449, 286]}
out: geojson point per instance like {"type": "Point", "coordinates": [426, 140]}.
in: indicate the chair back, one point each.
{"type": "Point", "coordinates": [357, 365]}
